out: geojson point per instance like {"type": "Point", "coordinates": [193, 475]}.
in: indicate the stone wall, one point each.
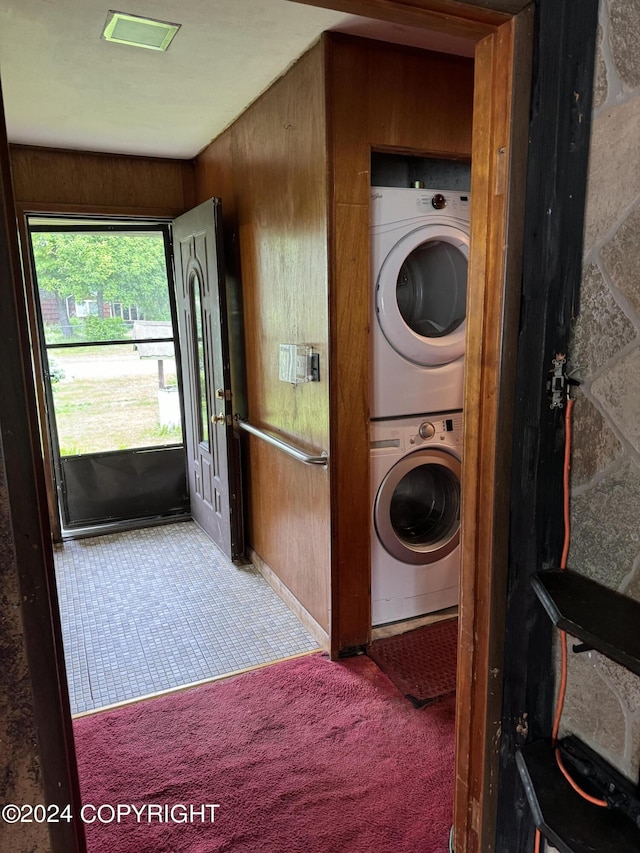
{"type": "Point", "coordinates": [603, 699]}
{"type": "Point", "coordinates": [20, 776]}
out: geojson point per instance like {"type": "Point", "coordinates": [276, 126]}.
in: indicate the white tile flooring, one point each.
{"type": "Point", "coordinates": [149, 610]}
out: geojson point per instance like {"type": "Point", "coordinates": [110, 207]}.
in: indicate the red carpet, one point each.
{"type": "Point", "coordinates": [307, 756]}
{"type": "Point", "coordinates": [421, 663]}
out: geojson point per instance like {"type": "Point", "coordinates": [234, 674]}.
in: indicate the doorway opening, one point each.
{"type": "Point", "coordinates": [146, 606]}
{"type": "Point", "coordinates": [106, 333]}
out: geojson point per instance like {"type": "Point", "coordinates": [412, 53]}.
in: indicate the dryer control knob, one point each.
{"type": "Point", "coordinates": [439, 201]}
{"type": "Point", "coordinates": [426, 430]}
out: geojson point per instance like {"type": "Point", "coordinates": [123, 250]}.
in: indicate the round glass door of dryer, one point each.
{"type": "Point", "coordinates": [417, 507]}
{"type": "Point", "coordinates": [421, 295]}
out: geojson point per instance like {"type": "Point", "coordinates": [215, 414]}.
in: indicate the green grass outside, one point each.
{"type": "Point", "coordinates": [108, 412]}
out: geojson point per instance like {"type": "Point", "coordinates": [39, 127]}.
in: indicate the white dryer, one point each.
{"type": "Point", "coordinates": [419, 256]}
{"type": "Point", "coordinates": [415, 515]}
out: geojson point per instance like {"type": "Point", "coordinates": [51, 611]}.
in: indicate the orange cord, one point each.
{"type": "Point", "coordinates": [565, 483]}
{"type": "Point", "coordinates": [563, 564]}
{"type": "Point", "coordinates": [563, 636]}
{"type": "Point", "coordinates": [594, 800]}
{"type": "Point", "coordinates": [536, 848]}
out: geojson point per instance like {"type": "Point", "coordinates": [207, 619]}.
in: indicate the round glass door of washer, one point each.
{"type": "Point", "coordinates": [421, 295]}
{"type": "Point", "coordinates": [417, 507]}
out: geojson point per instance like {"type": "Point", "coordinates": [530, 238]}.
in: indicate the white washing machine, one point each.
{"type": "Point", "coordinates": [419, 255]}
{"type": "Point", "coordinates": [415, 515]}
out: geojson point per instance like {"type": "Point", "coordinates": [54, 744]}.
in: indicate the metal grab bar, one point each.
{"type": "Point", "coordinates": [300, 455]}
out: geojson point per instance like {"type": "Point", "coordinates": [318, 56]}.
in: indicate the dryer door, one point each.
{"type": "Point", "coordinates": [417, 507]}
{"type": "Point", "coordinates": [421, 294]}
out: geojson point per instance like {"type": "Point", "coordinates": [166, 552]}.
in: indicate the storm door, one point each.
{"type": "Point", "coordinates": [112, 386]}
{"type": "Point", "coordinates": [212, 447]}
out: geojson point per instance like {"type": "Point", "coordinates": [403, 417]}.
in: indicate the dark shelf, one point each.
{"type": "Point", "coordinates": [603, 619]}
{"type": "Point", "coordinates": [567, 821]}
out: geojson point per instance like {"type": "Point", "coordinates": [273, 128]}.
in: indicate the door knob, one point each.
{"type": "Point", "coordinates": [218, 419]}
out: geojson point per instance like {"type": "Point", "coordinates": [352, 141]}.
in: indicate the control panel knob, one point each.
{"type": "Point", "coordinates": [426, 430]}
{"type": "Point", "coordinates": [439, 201]}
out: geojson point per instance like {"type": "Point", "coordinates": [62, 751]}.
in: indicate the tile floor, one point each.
{"type": "Point", "coordinates": [149, 610]}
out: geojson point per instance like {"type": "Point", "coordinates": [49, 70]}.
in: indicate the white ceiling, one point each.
{"type": "Point", "coordinates": [66, 87]}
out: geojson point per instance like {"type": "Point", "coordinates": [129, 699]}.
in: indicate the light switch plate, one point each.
{"type": "Point", "coordinates": [297, 364]}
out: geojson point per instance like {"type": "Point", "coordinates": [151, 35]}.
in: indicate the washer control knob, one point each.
{"type": "Point", "coordinates": [439, 201]}
{"type": "Point", "coordinates": [426, 430]}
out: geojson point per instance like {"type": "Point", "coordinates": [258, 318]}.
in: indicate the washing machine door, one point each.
{"type": "Point", "coordinates": [421, 294]}
{"type": "Point", "coordinates": [417, 507]}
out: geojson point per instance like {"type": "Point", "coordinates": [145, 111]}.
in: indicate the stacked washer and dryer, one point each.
{"type": "Point", "coordinates": [420, 250]}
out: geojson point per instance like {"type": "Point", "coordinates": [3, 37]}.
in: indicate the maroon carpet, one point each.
{"type": "Point", "coordinates": [421, 663]}
{"type": "Point", "coordinates": [306, 756]}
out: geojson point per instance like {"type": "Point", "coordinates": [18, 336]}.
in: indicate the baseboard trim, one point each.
{"type": "Point", "coordinates": [302, 614]}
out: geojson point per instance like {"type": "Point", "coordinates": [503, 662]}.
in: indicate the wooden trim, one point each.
{"type": "Point", "coordinates": [38, 372]}
{"type": "Point", "coordinates": [557, 173]}
{"type": "Point", "coordinates": [439, 16]}
{"type": "Point", "coordinates": [349, 453]}
{"type": "Point", "coordinates": [313, 627]}
{"type": "Point", "coordinates": [163, 214]}
{"type": "Point", "coordinates": [497, 192]}
{"type": "Point", "coordinates": [31, 534]}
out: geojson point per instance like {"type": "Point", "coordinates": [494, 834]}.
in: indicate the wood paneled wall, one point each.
{"type": "Point", "coordinates": [48, 179]}
{"type": "Point", "coordinates": [294, 177]}
{"type": "Point", "coordinates": [269, 169]}
{"type": "Point", "coordinates": [397, 99]}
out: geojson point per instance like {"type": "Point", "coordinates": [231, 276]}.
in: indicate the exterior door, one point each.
{"type": "Point", "coordinates": [105, 328]}
{"type": "Point", "coordinates": [212, 449]}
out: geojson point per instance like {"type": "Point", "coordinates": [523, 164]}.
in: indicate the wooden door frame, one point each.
{"type": "Point", "coordinates": [512, 456]}
{"type": "Point", "coordinates": [31, 534]}
{"type": "Point", "coordinates": [502, 81]}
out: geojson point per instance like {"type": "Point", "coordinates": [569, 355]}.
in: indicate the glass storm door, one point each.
{"type": "Point", "coordinates": [106, 334]}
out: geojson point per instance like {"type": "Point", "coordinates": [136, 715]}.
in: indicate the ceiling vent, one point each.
{"type": "Point", "coordinates": [139, 32]}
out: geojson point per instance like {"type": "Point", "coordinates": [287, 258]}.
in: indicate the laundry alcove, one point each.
{"type": "Point", "coordinates": [295, 170]}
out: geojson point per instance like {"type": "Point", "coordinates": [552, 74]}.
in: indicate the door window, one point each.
{"type": "Point", "coordinates": [199, 375]}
